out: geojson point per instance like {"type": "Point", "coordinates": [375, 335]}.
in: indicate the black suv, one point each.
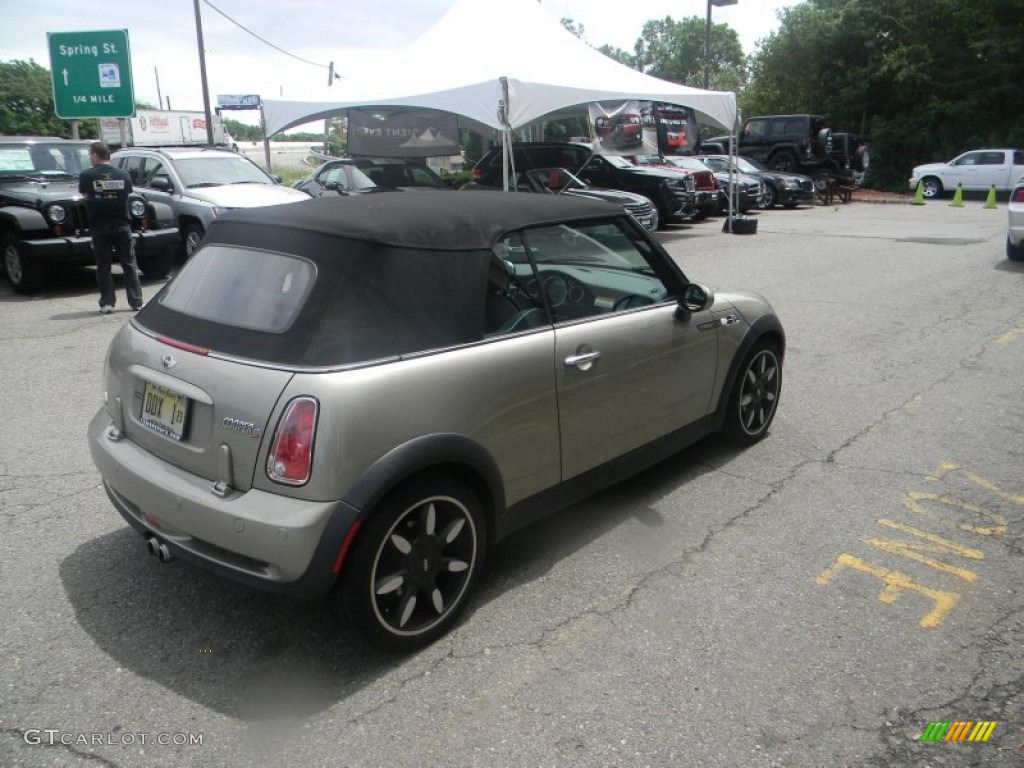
{"type": "Point", "coordinates": [788, 143]}
{"type": "Point", "coordinates": [671, 192]}
{"type": "Point", "coordinates": [43, 220]}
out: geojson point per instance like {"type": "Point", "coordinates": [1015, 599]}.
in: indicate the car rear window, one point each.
{"type": "Point", "coordinates": [335, 301]}
{"type": "Point", "coordinates": [242, 287]}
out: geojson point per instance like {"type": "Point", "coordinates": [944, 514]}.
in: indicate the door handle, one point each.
{"type": "Point", "coordinates": [582, 361]}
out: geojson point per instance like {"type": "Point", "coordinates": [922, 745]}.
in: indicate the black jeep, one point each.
{"type": "Point", "coordinates": [43, 222]}
{"type": "Point", "coordinates": [671, 191]}
{"type": "Point", "coordinates": [788, 143]}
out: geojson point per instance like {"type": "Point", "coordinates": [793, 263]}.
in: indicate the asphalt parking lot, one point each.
{"type": "Point", "coordinates": [817, 599]}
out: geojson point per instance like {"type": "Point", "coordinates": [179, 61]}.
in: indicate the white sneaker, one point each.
{"type": "Point", "coordinates": [106, 309]}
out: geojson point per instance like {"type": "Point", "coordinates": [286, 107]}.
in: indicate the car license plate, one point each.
{"type": "Point", "coordinates": [164, 411]}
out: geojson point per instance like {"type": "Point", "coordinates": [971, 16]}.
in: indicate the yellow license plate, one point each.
{"type": "Point", "coordinates": [164, 411]}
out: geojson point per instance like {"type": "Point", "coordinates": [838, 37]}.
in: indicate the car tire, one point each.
{"type": "Point", "coordinates": [25, 275]}
{"type": "Point", "coordinates": [190, 239]}
{"type": "Point", "coordinates": [1014, 252]}
{"type": "Point", "coordinates": [414, 564]}
{"type": "Point", "coordinates": [755, 395]}
{"type": "Point", "coordinates": [783, 161]}
{"type": "Point", "coordinates": [770, 197]}
{"type": "Point", "coordinates": [931, 187]}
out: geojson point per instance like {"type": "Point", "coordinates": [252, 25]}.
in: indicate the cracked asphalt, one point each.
{"type": "Point", "coordinates": [815, 600]}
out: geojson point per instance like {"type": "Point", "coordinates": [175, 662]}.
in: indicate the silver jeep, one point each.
{"type": "Point", "coordinates": [357, 396]}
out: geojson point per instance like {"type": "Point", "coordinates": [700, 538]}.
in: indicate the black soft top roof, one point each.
{"type": "Point", "coordinates": [424, 219]}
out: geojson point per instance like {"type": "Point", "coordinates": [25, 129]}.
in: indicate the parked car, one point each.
{"type": "Point", "coordinates": [336, 177]}
{"type": "Point", "coordinates": [705, 185]}
{"type": "Point", "coordinates": [558, 181]}
{"type": "Point", "coordinates": [976, 171]}
{"type": "Point", "coordinates": [1015, 229]}
{"type": "Point", "coordinates": [785, 189]}
{"type": "Point", "coordinates": [357, 395]}
{"type": "Point", "coordinates": [43, 219]}
{"type": "Point", "coordinates": [671, 192]}
{"type": "Point", "coordinates": [789, 143]}
{"type": "Point", "coordinates": [397, 173]}
{"type": "Point", "coordinates": [199, 184]}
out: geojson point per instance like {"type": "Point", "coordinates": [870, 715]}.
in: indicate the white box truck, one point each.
{"type": "Point", "coordinates": [158, 128]}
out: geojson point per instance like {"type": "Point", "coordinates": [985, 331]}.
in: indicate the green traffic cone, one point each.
{"type": "Point", "coordinates": [991, 201]}
{"type": "Point", "coordinates": [918, 195]}
{"type": "Point", "coordinates": [958, 197]}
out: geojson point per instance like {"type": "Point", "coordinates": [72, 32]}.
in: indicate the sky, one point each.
{"type": "Point", "coordinates": [351, 33]}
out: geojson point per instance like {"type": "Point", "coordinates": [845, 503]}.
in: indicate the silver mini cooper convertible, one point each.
{"type": "Point", "coordinates": [357, 396]}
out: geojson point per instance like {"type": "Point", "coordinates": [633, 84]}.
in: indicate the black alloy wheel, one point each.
{"type": "Point", "coordinates": [770, 197]}
{"type": "Point", "coordinates": [414, 564]}
{"type": "Point", "coordinates": [755, 395]}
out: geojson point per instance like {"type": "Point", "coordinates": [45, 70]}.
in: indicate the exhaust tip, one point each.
{"type": "Point", "coordinates": [152, 545]}
{"type": "Point", "coordinates": [164, 553]}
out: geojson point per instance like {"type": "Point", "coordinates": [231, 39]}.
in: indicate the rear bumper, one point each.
{"type": "Point", "coordinates": [78, 249]}
{"type": "Point", "coordinates": [260, 539]}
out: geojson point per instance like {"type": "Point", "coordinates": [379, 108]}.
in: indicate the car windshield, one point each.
{"type": "Point", "coordinates": [218, 171]}
{"type": "Point", "coordinates": [690, 163]}
{"type": "Point", "coordinates": [746, 165]}
{"type": "Point", "coordinates": [618, 162]}
{"type": "Point", "coordinates": [43, 160]}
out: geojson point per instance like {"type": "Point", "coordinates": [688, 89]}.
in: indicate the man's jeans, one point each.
{"type": "Point", "coordinates": [109, 243]}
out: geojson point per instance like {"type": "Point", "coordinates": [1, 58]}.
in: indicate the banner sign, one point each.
{"type": "Point", "coordinates": [676, 128]}
{"type": "Point", "coordinates": [643, 128]}
{"type": "Point", "coordinates": [398, 132]}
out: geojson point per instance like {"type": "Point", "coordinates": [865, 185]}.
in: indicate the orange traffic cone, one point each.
{"type": "Point", "coordinates": [958, 197]}
{"type": "Point", "coordinates": [991, 201]}
{"type": "Point", "coordinates": [918, 195]}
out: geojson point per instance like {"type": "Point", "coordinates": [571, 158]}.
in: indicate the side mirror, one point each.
{"type": "Point", "coordinates": [695, 298]}
{"type": "Point", "coordinates": [162, 183]}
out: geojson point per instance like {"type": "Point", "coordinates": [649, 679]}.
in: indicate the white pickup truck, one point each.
{"type": "Point", "coordinates": [977, 171]}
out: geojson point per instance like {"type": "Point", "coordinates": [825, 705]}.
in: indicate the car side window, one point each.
{"type": "Point", "coordinates": [971, 158]}
{"type": "Point", "coordinates": [511, 305]}
{"type": "Point", "coordinates": [133, 165]}
{"type": "Point", "coordinates": [153, 169]}
{"type": "Point", "coordinates": [992, 158]}
{"type": "Point", "coordinates": [336, 175]}
{"type": "Point", "coordinates": [594, 268]}
{"type": "Point", "coordinates": [1018, 157]}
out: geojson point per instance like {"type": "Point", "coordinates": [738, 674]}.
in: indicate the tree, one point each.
{"type": "Point", "coordinates": [674, 50]}
{"type": "Point", "coordinates": [26, 103]}
{"type": "Point", "coordinates": [926, 80]}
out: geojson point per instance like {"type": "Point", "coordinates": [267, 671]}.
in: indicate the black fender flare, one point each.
{"type": "Point", "coordinates": [765, 325]}
{"type": "Point", "coordinates": [421, 454]}
{"type": "Point", "coordinates": [24, 219]}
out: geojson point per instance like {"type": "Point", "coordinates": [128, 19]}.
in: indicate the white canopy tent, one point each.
{"type": "Point", "coordinates": [501, 64]}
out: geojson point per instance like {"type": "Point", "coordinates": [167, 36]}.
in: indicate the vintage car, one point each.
{"type": "Point", "coordinates": [357, 396]}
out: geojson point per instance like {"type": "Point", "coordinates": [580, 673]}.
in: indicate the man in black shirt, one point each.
{"type": "Point", "coordinates": [106, 191]}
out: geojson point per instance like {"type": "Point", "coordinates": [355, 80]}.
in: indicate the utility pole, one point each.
{"type": "Point", "coordinates": [202, 74]}
{"type": "Point", "coordinates": [707, 39]}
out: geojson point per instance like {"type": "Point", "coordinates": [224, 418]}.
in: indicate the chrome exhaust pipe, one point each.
{"type": "Point", "coordinates": [152, 545]}
{"type": "Point", "coordinates": [164, 553]}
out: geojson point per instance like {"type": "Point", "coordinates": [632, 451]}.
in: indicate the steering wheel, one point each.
{"type": "Point", "coordinates": [632, 301]}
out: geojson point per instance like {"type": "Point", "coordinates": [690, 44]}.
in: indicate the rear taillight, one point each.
{"type": "Point", "coordinates": [1018, 195]}
{"type": "Point", "coordinates": [291, 452]}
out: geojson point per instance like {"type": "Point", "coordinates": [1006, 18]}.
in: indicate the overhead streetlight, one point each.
{"type": "Point", "coordinates": [707, 39]}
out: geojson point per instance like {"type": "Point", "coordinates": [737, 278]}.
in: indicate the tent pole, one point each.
{"type": "Point", "coordinates": [506, 134]}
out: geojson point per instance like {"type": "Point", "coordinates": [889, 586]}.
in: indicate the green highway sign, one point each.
{"type": "Point", "coordinates": [92, 74]}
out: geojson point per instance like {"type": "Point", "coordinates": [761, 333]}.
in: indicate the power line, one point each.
{"type": "Point", "coordinates": [263, 40]}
